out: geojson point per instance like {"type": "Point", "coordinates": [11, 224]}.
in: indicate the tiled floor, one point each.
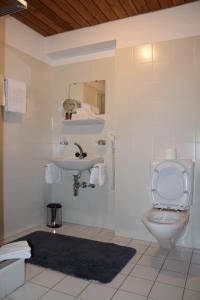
{"type": "Point", "coordinates": [152, 274]}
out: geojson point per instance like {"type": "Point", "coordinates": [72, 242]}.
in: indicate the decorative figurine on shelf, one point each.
{"type": "Point", "coordinates": [69, 106]}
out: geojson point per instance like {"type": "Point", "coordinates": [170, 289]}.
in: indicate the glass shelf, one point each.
{"type": "Point", "coordinates": [84, 122]}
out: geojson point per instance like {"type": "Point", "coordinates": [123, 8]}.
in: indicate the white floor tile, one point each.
{"type": "Point", "coordinates": [97, 292]}
{"type": "Point", "coordinates": [105, 235]}
{"type": "Point", "coordinates": [53, 295]}
{"type": "Point", "coordinates": [155, 244]}
{"type": "Point", "coordinates": [191, 295]}
{"type": "Point", "coordinates": [122, 295]}
{"type": "Point", "coordinates": [180, 253]}
{"type": "Point", "coordinates": [72, 230]}
{"type": "Point", "coordinates": [141, 242]}
{"type": "Point", "coordinates": [151, 261]}
{"type": "Point", "coordinates": [32, 270]}
{"type": "Point", "coordinates": [194, 269]}
{"type": "Point", "coordinates": [117, 281]}
{"type": "Point", "coordinates": [172, 278]}
{"type": "Point", "coordinates": [144, 272]}
{"type": "Point", "coordinates": [161, 291]}
{"type": "Point", "coordinates": [193, 282]}
{"type": "Point", "coordinates": [91, 231]}
{"type": "Point", "coordinates": [127, 269]}
{"type": "Point", "coordinates": [48, 278]}
{"type": "Point", "coordinates": [123, 241]}
{"type": "Point", "coordinates": [71, 285]}
{"type": "Point", "coordinates": [157, 252]}
{"type": "Point", "coordinates": [176, 266]}
{"type": "Point", "coordinates": [140, 249]}
{"type": "Point", "coordinates": [29, 291]}
{"type": "Point", "coordinates": [195, 259]}
{"type": "Point", "coordinates": [137, 285]}
{"type": "Point", "coordinates": [196, 251]}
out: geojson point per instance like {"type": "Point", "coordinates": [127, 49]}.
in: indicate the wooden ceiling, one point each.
{"type": "Point", "coordinates": [50, 17]}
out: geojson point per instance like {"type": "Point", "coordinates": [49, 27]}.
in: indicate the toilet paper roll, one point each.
{"type": "Point", "coordinates": [170, 153]}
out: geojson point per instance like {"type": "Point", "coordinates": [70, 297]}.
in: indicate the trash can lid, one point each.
{"type": "Point", "coordinates": [54, 205]}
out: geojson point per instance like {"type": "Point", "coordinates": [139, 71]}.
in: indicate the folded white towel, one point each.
{"type": "Point", "coordinates": [15, 250]}
{"type": "Point", "coordinates": [53, 173]}
{"type": "Point", "coordinates": [15, 95]}
{"type": "Point", "coordinates": [83, 115]}
{"type": "Point", "coordinates": [98, 174]}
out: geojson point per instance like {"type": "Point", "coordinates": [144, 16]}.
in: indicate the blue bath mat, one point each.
{"type": "Point", "coordinates": [82, 258]}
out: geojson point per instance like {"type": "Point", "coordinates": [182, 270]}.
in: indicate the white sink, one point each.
{"type": "Point", "coordinates": [76, 164]}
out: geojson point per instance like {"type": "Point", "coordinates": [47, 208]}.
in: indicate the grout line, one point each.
{"type": "Point", "coordinates": [83, 290]}
{"type": "Point", "coordinates": [29, 280]}
{"type": "Point", "coordinates": [187, 274]}
{"type": "Point", "coordinates": [130, 271]}
{"type": "Point", "coordinates": [158, 274]}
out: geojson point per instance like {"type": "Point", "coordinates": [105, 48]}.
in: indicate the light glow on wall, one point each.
{"type": "Point", "coordinates": [147, 53]}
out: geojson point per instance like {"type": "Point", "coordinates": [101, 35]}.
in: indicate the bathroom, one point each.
{"type": "Point", "coordinates": [152, 104]}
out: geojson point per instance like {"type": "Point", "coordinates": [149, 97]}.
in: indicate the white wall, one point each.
{"type": "Point", "coordinates": [22, 37]}
{"type": "Point", "coordinates": [27, 144]}
{"type": "Point", "coordinates": [92, 206]}
{"type": "Point", "coordinates": [157, 100]}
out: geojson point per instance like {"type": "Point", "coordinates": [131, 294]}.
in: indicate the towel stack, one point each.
{"type": "Point", "coordinates": [84, 113]}
{"type": "Point", "coordinates": [15, 250]}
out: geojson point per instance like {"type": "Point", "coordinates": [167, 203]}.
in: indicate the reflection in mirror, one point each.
{"type": "Point", "coordinates": [92, 93]}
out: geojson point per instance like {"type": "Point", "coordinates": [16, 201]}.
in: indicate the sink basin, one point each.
{"type": "Point", "coordinates": [76, 164]}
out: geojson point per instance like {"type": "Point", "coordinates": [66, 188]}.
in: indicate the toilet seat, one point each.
{"type": "Point", "coordinates": [165, 225]}
{"type": "Point", "coordinates": [156, 216]}
{"type": "Point", "coordinates": [170, 186]}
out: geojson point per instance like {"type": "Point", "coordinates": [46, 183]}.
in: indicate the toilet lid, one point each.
{"type": "Point", "coordinates": [170, 186]}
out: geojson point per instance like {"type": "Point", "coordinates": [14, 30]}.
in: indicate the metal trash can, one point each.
{"type": "Point", "coordinates": [54, 215]}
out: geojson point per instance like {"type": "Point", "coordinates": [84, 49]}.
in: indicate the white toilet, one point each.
{"type": "Point", "coordinates": [171, 189]}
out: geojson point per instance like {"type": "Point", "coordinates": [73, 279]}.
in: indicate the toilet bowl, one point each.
{"type": "Point", "coordinates": [166, 225]}
{"type": "Point", "coordinates": [171, 190]}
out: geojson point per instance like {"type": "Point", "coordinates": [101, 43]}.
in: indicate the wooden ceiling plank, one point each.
{"type": "Point", "coordinates": [95, 11]}
{"type": "Point", "coordinates": [58, 8]}
{"type": "Point", "coordinates": [189, 1]}
{"type": "Point", "coordinates": [118, 8]}
{"type": "Point", "coordinates": [73, 14]}
{"type": "Point", "coordinates": [49, 13]}
{"type": "Point", "coordinates": [165, 3]}
{"type": "Point", "coordinates": [140, 6]}
{"type": "Point", "coordinates": [34, 20]}
{"type": "Point", "coordinates": [178, 2]}
{"type": "Point", "coordinates": [153, 5]}
{"type": "Point", "coordinates": [45, 19]}
{"type": "Point", "coordinates": [27, 22]}
{"type": "Point", "coordinates": [129, 7]}
{"type": "Point", "coordinates": [84, 12]}
{"type": "Point", "coordinates": [106, 9]}
{"type": "Point", "coordinates": [49, 17]}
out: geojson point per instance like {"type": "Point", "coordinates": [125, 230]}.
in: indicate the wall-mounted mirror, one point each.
{"type": "Point", "coordinates": [91, 92]}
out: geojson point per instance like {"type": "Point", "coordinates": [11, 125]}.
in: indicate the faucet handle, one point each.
{"type": "Point", "coordinates": [84, 154]}
{"type": "Point", "coordinates": [77, 154]}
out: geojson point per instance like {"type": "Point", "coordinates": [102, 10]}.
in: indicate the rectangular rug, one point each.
{"type": "Point", "coordinates": [82, 258]}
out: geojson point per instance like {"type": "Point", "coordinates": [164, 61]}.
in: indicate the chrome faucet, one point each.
{"type": "Point", "coordinates": [81, 154]}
